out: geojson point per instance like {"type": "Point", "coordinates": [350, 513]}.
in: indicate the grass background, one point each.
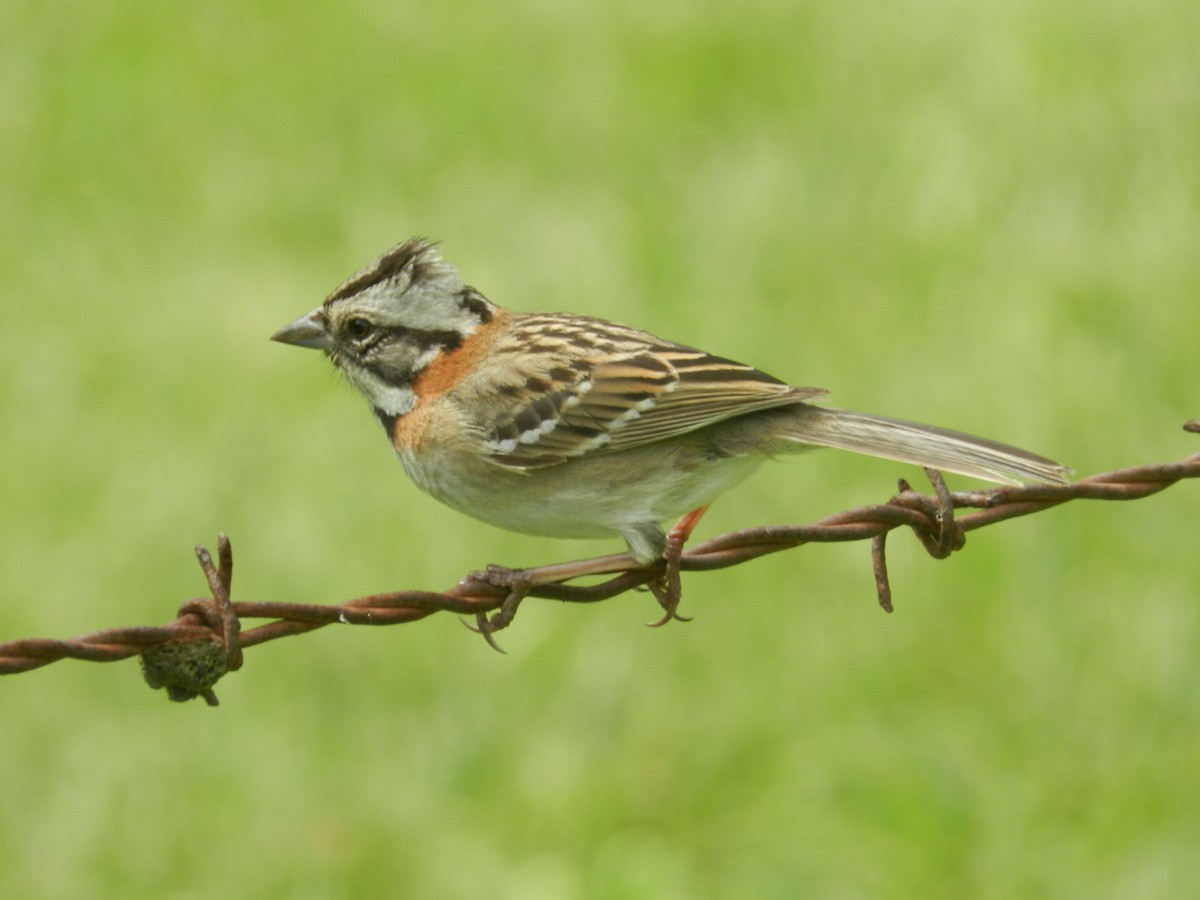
{"type": "Point", "coordinates": [981, 215]}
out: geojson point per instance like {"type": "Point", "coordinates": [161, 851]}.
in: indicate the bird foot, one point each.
{"type": "Point", "coordinates": [668, 588]}
{"type": "Point", "coordinates": [519, 583]}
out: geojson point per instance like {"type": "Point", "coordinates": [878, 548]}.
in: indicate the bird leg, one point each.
{"type": "Point", "coordinates": [520, 582]}
{"type": "Point", "coordinates": [669, 588]}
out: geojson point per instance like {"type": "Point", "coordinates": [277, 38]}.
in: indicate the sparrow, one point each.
{"type": "Point", "coordinates": [570, 426]}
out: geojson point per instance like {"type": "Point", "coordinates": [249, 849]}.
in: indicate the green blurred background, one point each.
{"type": "Point", "coordinates": [981, 215]}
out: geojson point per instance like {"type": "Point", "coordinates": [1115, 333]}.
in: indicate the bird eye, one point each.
{"type": "Point", "coordinates": [359, 328]}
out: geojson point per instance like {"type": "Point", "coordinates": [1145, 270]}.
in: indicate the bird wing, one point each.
{"type": "Point", "coordinates": [577, 386]}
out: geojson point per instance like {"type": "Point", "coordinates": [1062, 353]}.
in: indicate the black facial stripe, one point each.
{"type": "Point", "coordinates": [421, 337]}
{"type": "Point", "coordinates": [389, 266]}
{"type": "Point", "coordinates": [387, 420]}
{"type": "Point", "coordinates": [471, 300]}
{"type": "Point", "coordinates": [447, 340]}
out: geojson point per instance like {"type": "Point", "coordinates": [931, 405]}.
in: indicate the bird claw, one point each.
{"type": "Point", "coordinates": [668, 599]}
{"type": "Point", "coordinates": [484, 627]}
{"type": "Point", "coordinates": [518, 584]}
{"type": "Point", "coordinates": [668, 588]}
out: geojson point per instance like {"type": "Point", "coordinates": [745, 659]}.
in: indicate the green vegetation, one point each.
{"type": "Point", "coordinates": [981, 215]}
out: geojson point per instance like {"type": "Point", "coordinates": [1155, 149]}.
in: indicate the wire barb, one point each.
{"type": "Point", "coordinates": [188, 666]}
{"type": "Point", "coordinates": [190, 654]}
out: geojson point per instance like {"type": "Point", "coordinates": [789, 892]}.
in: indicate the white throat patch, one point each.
{"type": "Point", "coordinates": [391, 399]}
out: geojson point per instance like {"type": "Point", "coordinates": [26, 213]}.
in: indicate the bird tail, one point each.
{"type": "Point", "coordinates": [924, 445]}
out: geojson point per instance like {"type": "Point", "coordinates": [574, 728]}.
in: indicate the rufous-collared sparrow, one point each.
{"type": "Point", "coordinates": [562, 425]}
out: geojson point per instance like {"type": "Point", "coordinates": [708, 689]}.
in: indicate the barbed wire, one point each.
{"type": "Point", "coordinates": [188, 655]}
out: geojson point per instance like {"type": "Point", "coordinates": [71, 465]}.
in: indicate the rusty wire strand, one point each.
{"type": "Point", "coordinates": [216, 621]}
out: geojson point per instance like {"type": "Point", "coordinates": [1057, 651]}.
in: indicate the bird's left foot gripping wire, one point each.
{"type": "Point", "coordinates": [518, 583]}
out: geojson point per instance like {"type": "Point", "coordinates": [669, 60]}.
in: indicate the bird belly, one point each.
{"type": "Point", "coordinates": [595, 496]}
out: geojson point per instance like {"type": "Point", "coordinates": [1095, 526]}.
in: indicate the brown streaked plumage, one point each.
{"type": "Point", "coordinates": [558, 424]}
{"type": "Point", "coordinates": [592, 386]}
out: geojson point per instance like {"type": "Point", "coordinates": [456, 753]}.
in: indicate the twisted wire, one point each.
{"type": "Point", "coordinates": [187, 655]}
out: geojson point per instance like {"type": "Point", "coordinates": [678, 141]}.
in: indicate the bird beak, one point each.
{"type": "Point", "coordinates": [307, 331]}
